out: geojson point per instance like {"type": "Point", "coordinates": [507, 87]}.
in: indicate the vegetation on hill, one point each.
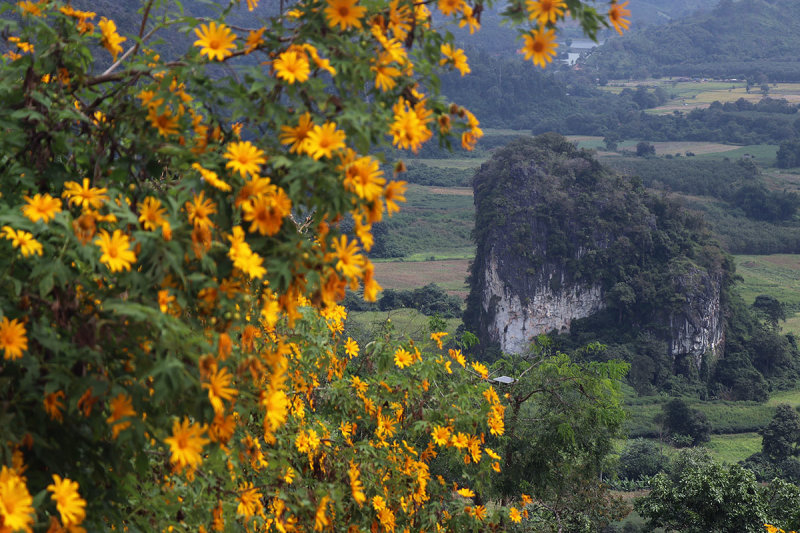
{"type": "Point", "coordinates": [756, 40]}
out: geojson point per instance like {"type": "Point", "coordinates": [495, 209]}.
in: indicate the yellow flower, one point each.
{"type": "Point", "coordinates": [465, 492]}
{"type": "Point", "coordinates": [218, 520]}
{"type": "Point", "coordinates": [321, 520]}
{"type": "Point", "coordinates": [165, 122]}
{"type": "Point", "coordinates": [267, 211]}
{"type": "Point", "coordinates": [616, 13]}
{"type": "Point", "coordinates": [321, 141]}
{"type": "Point", "coordinates": [540, 47]}
{"type": "Point", "coordinates": [211, 178]}
{"type": "Point", "coordinates": [121, 406]}
{"type": "Point", "coordinates": [151, 213]}
{"type": "Point", "coordinates": [30, 8]}
{"type": "Point", "coordinates": [219, 389]}
{"type": "Point", "coordinates": [460, 440]}
{"type": "Point", "coordinates": [385, 75]}
{"type": "Point", "coordinates": [469, 20]}
{"type": "Point", "coordinates": [245, 158]}
{"type": "Point", "coordinates": [216, 41]}
{"type": "Point", "coordinates": [243, 256]}
{"type": "Point", "coordinates": [111, 39]}
{"type": "Point", "coordinates": [480, 512]}
{"type": "Point", "coordinates": [23, 240]}
{"type": "Point", "coordinates": [222, 428]}
{"type": "Point", "coordinates": [545, 11]}
{"type": "Point", "coordinates": [199, 210]}
{"type": "Point", "coordinates": [393, 193]}
{"type": "Point", "coordinates": [409, 128]}
{"type": "Point", "coordinates": [292, 67]}
{"type": "Point", "coordinates": [364, 177]}
{"type": "Point", "coordinates": [514, 515]}
{"type": "Point", "coordinates": [12, 338]}
{"type": "Point", "coordinates": [16, 503]}
{"type": "Point", "coordinates": [255, 38]}
{"type": "Point", "coordinates": [350, 263]}
{"type": "Point", "coordinates": [68, 502]}
{"type": "Point", "coordinates": [441, 435]}
{"type": "Point", "coordinates": [351, 348]}
{"type": "Point", "coordinates": [53, 405]}
{"type": "Point", "coordinates": [249, 500]}
{"type": "Point", "coordinates": [344, 13]}
{"type": "Point", "coordinates": [297, 136]}
{"type": "Point", "coordinates": [456, 56]}
{"type": "Point", "coordinates": [403, 358]}
{"type": "Point", "coordinates": [458, 356]}
{"type": "Point", "coordinates": [448, 7]}
{"type": "Point", "coordinates": [84, 195]}
{"type": "Point", "coordinates": [117, 254]}
{"type": "Point", "coordinates": [480, 369]}
{"type": "Point", "coordinates": [276, 404]}
{"type": "Point", "coordinates": [356, 487]}
{"type": "Point", "coordinates": [186, 443]}
{"type": "Point", "coordinates": [164, 300]}
{"type": "Point", "coordinates": [41, 207]}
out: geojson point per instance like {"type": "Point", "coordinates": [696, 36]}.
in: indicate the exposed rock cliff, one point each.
{"type": "Point", "coordinates": [696, 328]}
{"type": "Point", "coordinates": [514, 322]}
{"type": "Point", "coordinates": [560, 238]}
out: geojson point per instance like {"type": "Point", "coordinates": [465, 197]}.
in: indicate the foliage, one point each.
{"type": "Point", "coordinates": [173, 256]}
{"type": "Point", "coordinates": [788, 154]}
{"type": "Point", "coordinates": [641, 459]}
{"type": "Point", "coordinates": [782, 436]}
{"type": "Point", "coordinates": [563, 417]}
{"type": "Point", "coordinates": [430, 300]}
{"type": "Point", "coordinates": [733, 40]}
{"type": "Point", "coordinates": [682, 421]}
{"type": "Point", "coordinates": [701, 495]}
{"type": "Point", "coordinates": [645, 149]}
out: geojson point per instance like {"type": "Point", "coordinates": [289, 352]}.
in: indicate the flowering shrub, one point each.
{"type": "Point", "coordinates": [172, 348]}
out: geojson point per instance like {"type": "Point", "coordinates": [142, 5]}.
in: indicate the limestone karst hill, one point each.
{"type": "Point", "coordinates": [561, 238]}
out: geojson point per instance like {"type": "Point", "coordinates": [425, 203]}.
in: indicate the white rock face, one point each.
{"type": "Point", "coordinates": [698, 330]}
{"type": "Point", "coordinates": [515, 323]}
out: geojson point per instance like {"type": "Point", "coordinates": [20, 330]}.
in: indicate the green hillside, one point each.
{"type": "Point", "coordinates": [753, 39]}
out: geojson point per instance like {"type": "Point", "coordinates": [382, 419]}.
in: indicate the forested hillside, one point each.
{"type": "Point", "coordinates": [753, 39]}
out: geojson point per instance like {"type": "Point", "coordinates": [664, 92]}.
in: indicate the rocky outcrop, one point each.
{"type": "Point", "coordinates": [560, 238]}
{"type": "Point", "coordinates": [515, 322]}
{"type": "Point", "coordinates": [696, 329]}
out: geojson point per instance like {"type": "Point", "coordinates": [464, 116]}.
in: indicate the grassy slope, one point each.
{"type": "Point", "coordinates": [433, 222]}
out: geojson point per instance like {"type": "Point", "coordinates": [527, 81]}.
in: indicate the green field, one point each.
{"type": "Point", "coordinates": [448, 274]}
{"type": "Point", "coordinates": [688, 95]}
{"type": "Point", "coordinates": [406, 323]}
{"type": "Point", "coordinates": [774, 275]}
{"type": "Point", "coordinates": [434, 222]}
{"type": "Point", "coordinates": [461, 163]}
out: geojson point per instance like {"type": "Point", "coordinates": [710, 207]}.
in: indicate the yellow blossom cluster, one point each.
{"type": "Point", "coordinates": [176, 248]}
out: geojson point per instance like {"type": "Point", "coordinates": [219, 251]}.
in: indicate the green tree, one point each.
{"type": "Point", "coordinates": [640, 459]}
{"type": "Point", "coordinates": [701, 495]}
{"type": "Point", "coordinates": [781, 437]}
{"type": "Point", "coordinates": [682, 420]}
{"type": "Point", "coordinates": [562, 419]}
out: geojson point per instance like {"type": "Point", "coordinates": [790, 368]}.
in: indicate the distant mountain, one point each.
{"type": "Point", "coordinates": [753, 39]}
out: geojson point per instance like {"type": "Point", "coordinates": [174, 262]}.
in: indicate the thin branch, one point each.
{"type": "Point", "coordinates": [141, 28]}
{"type": "Point", "coordinates": [127, 54]}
